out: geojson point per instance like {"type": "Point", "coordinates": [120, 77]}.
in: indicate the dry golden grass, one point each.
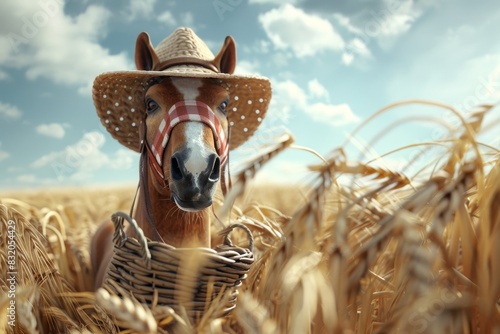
{"type": "Point", "coordinates": [389, 253]}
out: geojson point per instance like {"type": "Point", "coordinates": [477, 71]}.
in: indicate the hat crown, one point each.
{"type": "Point", "coordinates": [183, 42]}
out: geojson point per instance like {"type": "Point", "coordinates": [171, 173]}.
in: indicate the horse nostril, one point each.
{"type": "Point", "coordinates": [175, 169]}
{"type": "Point", "coordinates": [215, 170]}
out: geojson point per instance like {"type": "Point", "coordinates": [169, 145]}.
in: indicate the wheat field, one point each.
{"type": "Point", "coordinates": [389, 253]}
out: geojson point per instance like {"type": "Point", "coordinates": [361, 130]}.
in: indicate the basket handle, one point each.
{"type": "Point", "coordinates": [120, 237]}
{"type": "Point", "coordinates": [227, 241]}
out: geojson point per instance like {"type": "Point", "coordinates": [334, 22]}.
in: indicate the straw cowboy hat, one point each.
{"type": "Point", "coordinates": [119, 96]}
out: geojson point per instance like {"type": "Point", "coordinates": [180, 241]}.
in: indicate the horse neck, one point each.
{"type": "Point", "coordinates": [174, 226]}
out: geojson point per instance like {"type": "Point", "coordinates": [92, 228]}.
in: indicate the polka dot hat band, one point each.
{"type": "Point", "coordinates": [119, 96]}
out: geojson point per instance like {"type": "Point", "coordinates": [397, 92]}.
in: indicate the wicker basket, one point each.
{"type": "Point", "coordinates": [187, 279]}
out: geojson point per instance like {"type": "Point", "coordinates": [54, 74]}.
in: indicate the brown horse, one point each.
{"type": "Point", "coordinates": [177, 181]}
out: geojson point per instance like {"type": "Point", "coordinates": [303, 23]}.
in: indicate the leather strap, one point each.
{"type": "Point", "coordinates": [161, 66]}
{"type": "Point", "coordinates": [158, 170]}
{"type": "Point", "coordinates": [225, 187]}
{"type": "Point", "coordinates": [143, 188]}
{"type": "Point", "coordinates": [143, 184]}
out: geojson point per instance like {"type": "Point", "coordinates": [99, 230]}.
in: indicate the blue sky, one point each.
{"type": "Point", "coordinates": [332, 64]}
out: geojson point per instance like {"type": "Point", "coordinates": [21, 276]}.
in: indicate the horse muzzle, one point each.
{"type": "Point", "coordinates": [193, 186]}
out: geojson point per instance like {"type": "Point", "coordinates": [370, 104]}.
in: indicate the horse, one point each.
{"type": "Point", "coordinates": [177, 182]}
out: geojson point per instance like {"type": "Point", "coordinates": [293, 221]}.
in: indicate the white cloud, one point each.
{"type": "Point", "coordinates": [3, 75]}
{"type": "Point", "coordinates": [258, 47]}
{"type": "Point", "coordinates": [85, 154]}
{"type": "Point", "coordinates": [80, 161]}
{"type": "Point", "coordinates": [347, 58]}
{"type": "Point", "coordinates": [355, 49]}
{"type": "Point", "coordinates": [476, 82]}
{"type": "Point", "coordinates": [396, 17]}
{"type": "Point", "coordinates": [274, 2]}
{"type": "Point", "coordinates": [4, 155]}
{"type": "Point", "coordinates": [384, 26]}
{"type": "Point", "coordinates": [167, 18]}
{"type": "Point", "coordinates": [264, 46]}
{"type": "Point", "coordinates": [282, 171]}
{"type": "Point", "coordinates": [316, 89]}
{"type": "Point", "coordinates": [54, 130]}
{"type": "Point", "coordinates": [63, 49]}
{"type": "Point", "coordinates": [345, 22]}
{"type": "Point", "coordinates": [358, 47]}
{"type": "Point", "coordinates": [180, 19]}
{"type": "Point", "coordinates": [246, 67]}
{"type": "Point", "coordinates": [10, 111]}
{"type": "Point", "coordinates": [289, 96]}
{"type": "Point", "coordinates": [45, 159]}
{"type": "Point", "coordinates": [336, 115]}
{"type": "Point", "coordinates": [26, 178]}
{"type": "Point", "coordinates": [289, 27]}
{"type": "Point", "coordinates": [123, 159]}
{"type": "Point", "coordinates": [5, 47]}
{"type": "Point", "coordinates": [187, 19]}
{"type": "Point", "coordinates": [281, 59]}
{"type": "Point", "coordinates": [137, 9]}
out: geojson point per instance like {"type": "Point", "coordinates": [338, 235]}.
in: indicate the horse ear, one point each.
{"type": "Point", "coordinates": [225, 60]}
{"type": "Point", "coordinates": [145, 55]}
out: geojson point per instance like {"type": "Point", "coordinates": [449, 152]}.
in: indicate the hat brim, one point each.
{"type": "Point", "coordinates": [119, 101]}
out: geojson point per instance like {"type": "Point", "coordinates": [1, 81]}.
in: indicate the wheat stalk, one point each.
{"type": "Point", "coordinates": [130, 314]}
{"type": "Point", "coordinates": [249, 171]}
{"type": "Point", "coordinates": [381, 252]}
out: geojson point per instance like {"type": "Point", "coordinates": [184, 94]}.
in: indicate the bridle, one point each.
{"type": "Point", "coordinates": [152, 154]}
{"type": "Point", "coordinates": [184, 111]}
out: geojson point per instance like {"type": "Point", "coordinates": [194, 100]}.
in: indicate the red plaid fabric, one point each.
{"type": "Point", "coordinates": [186, 111]}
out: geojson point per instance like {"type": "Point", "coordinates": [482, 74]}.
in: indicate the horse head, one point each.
{"type": "Point", "coordinates": [185, 129]}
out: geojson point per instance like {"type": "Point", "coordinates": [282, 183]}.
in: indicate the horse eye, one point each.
{"type": "Point", "coordinates": [223, 106]}
{"type": "Point", "coordinates": [151, 105]}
